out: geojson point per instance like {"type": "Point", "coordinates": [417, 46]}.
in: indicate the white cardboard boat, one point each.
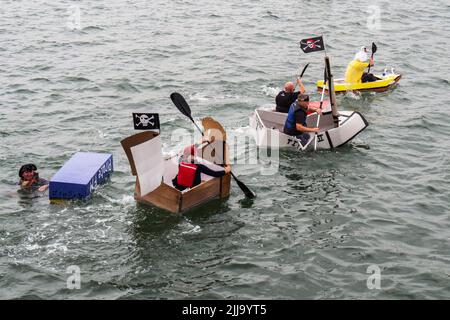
{"type": "Point", "coordinates": [336, 128]}
{"type": "Point", "coordinates": [268, 125]}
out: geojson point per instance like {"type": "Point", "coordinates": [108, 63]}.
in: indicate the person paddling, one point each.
{"type": "Point", "coordinates": [296, 120]}
{"type": "Point", "coordinates": [189, 172]}
{"type": "Point", "coordinates": [286, 97]}
{"type": "Point", "coordinates": [355, 69]}
{"type": "Point", "coordinates": [29, 178]}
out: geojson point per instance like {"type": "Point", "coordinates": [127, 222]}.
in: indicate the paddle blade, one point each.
{"type": "Point", "coordinates": [304, 69]}
{"type": "Point", "coordinates": [181, 104]}
{"type": "Point", "coordinates": [248, 193]}
{"type": "Point", "coordinates": [374, 48]}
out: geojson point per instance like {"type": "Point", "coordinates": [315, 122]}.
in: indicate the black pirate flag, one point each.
{"type": "Point", "coordinates": [146, 121]}
{"type": "Point", "coordinates": [312, 44]}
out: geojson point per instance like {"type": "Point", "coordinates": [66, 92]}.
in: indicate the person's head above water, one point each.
{"type": "Point", "coordinates": [289, 87]}
{"type": "Point", "coordinates": [29, 178]}
{"type": "Point", "coordinates": [27, 171]}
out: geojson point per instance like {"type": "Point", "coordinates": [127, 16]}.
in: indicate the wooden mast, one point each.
{"type": "Point", "coordinates": [331, 93]}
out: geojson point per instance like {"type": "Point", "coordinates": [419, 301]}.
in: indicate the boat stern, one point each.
{"type": "Point", "coordinates": [351, 123]}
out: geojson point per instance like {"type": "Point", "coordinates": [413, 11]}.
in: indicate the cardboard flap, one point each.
{"type": "Point", "coordinates": [149, 164]}
{"type": "Point", "coordinates": [217, 151]}
{"type": "Point", "coordinates": [213, 129]}
{"type": "Point", "coordinates": [132, 141]}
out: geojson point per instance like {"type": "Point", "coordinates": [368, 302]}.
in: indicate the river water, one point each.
{"type": "Point", "coordinates": [73, 72]}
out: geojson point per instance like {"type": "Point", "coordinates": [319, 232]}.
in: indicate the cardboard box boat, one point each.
{"type": "Point", "coordinates": [150, 165]}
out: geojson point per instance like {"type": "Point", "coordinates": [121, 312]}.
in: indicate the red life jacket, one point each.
{"type": "Point", "coordinates": [186, 174]}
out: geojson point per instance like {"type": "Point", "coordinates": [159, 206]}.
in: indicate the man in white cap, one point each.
{"type": "Point", "coordinates": [355, 69]}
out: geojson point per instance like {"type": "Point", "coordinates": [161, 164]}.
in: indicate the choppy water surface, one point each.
{"type": "Point", "coordinates": [317, 224]}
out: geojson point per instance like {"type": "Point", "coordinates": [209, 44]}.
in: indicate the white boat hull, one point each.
{"type": "Point", "coordinates": [268, 127]}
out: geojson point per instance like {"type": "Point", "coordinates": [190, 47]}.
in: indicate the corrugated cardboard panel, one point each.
{"type": "Point", "coordinates": [132, 141]}
{"type": "Point", "coordinates": [201, 193]}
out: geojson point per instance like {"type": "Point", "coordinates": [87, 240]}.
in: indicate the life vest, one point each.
{"type": "Point", "coordinates": [186, 174]}
{"type": "Point", "coordinates": [290, 127]}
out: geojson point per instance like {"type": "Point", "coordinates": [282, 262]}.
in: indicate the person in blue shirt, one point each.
{"type": "Point", "coordinates": [296, 120]}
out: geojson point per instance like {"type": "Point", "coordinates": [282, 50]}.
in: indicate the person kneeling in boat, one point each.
{"type": "Point", "coordinates": [189, 172]}
{"type": "Point", "coordinates": [296, 120]}
{"type": "Point", "coordinates": [286, 97]}
{"type": "Point", "coordinates": [29, 178]}
{"type": "Point", "coordinates": [355, 69]}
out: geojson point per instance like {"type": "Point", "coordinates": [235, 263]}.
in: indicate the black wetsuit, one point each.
{"type": "Point", "coordinates": [197, 179]}
{"type": "Point", "coordinates": [284, 100]}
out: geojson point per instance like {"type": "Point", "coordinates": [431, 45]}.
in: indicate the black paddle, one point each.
{"type": "Point", "coordinates": [182, 105]}
{"type": "Point", "coordinates": [374, 49]}
{"type": "Point", "coordinates": [301, 75]}
{"type": "Point", "coordinates": [304, 69]}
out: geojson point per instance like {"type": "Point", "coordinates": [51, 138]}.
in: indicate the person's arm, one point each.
{"type": "Point", "coordinates": [43, 184]}
{"type": "Point", "coordinates": [301, 86]}
{"type": "Point", "coordinates": [43, 188]}
{"type": "Point", "coordinates": [204, 169]}
{"type": "Point", "coordinates": [372, 62]}
{"type": "Point", "coordinates": [363, 65]}
{"type": "Point", "coordinates": [360, 66]}
{"type": "Point", "coordinates": [315, 109]}
{"type": "Point", "coordinates": [302, 128]}
{"type": "Point", "coordinates": [28, 183]}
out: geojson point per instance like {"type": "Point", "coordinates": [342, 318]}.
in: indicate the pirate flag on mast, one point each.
{"type": "Point", "coordinates": [146, 121]}
{"type": "Point", "coordinates": [312, 44]}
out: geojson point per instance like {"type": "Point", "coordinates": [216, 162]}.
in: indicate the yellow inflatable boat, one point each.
{"type": "Point", "coordinates": [386, 82]}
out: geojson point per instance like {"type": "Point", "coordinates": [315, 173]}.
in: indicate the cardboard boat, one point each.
{"type": "Point", "coordinates": [154, 174]}
{"type": "Point", "coordinates": [268, 125]}
{"type": "Point", "coordinates": [335, 128]}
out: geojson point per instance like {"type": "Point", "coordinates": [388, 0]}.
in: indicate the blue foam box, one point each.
{"type": "Point", "coordinates": [80, 175]}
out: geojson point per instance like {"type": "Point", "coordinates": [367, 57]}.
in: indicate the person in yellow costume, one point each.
{"type": "Point", "coordinates": [355, 69]}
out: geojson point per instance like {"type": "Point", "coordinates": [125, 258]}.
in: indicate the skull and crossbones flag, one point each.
{"type": "Point", "coordinates": [146, 121]}
{"type": "Point", "coordinates": [312, 44]}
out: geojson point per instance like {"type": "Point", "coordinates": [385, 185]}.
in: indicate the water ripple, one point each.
{"type": "Point", "coordinates": [317, 224]}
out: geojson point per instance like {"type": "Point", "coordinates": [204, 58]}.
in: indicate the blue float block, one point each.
{"type": "Point", "coordinates": [80, 175]}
